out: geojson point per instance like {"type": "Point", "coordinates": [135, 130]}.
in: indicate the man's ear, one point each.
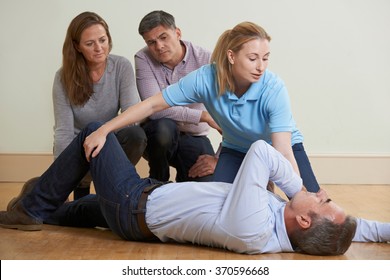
{"type": "Point", "coordinates": [304, 221]}
{"type": "Point", "coordinates": [178, 33]}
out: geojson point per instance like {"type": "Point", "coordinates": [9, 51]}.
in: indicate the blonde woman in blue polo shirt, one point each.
{"type": "Point", "coordinates": [244, 101]}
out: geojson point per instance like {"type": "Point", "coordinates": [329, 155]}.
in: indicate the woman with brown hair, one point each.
{"type": "Point", "coordinates": [93, 85]}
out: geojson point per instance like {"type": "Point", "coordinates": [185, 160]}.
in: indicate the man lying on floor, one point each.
{"type": "Point", "coordinates": [243, 217]}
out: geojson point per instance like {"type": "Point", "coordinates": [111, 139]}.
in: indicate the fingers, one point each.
{"type": "Point", "coordinates": [93, 145]}
{"type": "Point", "coordinates": [96, 151]}
{"type": "Point", "coordinates": [216, 127]}
{"type": "Point", "coordinates": [204, 166]}
{"type": "Point", "coordinates": [200, 172]}
{"type": "Point", "coordinates": [87, 149]}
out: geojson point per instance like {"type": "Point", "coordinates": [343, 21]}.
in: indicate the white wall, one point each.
{"type": "Point", "coordinates": [334, 56]}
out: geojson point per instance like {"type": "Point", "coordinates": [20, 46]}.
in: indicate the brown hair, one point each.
{"type": "Point", "coordinates": [233, 39]}
{"type": "Point", "coordinates": [75, 73]}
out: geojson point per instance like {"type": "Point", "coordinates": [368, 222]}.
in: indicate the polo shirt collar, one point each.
{"type": "Point", "coordinates": [253, 93]}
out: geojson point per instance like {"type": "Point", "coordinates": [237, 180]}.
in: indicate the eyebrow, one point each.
{"type": "Point", "coordinates": [92, 40]}
{"type": "Point", "coordinates": [256, 54]}
{"type": "Point", "coordinates": [158, 37]}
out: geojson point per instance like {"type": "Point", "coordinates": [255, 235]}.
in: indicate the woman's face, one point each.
{"type": "Point", "coordinates": [94, 44]}
{"type": "Point", "coordinates": [249, 63]}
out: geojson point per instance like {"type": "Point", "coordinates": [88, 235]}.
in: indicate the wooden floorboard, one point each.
{"type": "Point", "coordinates": [65, 243]}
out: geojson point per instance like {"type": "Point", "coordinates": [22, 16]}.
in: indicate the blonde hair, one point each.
{"type": "Point", "coordinates": [233, 39]}
{"type": "Point", "coordinates": [75, 73]}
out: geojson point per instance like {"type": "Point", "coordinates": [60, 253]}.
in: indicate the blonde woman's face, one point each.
{"type": "Point", "coordinates": [249, 63]}
{"type": "Point", "coordinates": [94, 44]}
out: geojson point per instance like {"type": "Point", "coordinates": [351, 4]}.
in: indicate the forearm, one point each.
{"type": "Point", "coordinates": [281, 141]}
{"type": "Point", "coordinates": [371, 231]}
{"type": "Point", "coordinates": [136, 113]}
{"type": "Point", "coordinates": [96, 140]}
{"type": "Point", "coordinates": [183, 114]}
{"type": "Point", "coordinates": [290, 157]}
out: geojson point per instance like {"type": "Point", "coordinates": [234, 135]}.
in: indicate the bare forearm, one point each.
{"type": "Point", "coordinates": [136, 113]}
{"type": "Point", "coordinates": [290, 157]}
{"type": "Point", "coordinates": [95, 141]}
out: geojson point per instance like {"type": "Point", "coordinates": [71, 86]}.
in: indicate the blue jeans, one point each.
{"type": "Point", "coordinates": [167, 146]}
{"type": "Point", "coordinates": [133, 141]}
{"type": "Point", "coordinates": [230, 160]}
{"type": "Point", "coordinates": [83, 212]}
{"type": "Point", "coordinates": [117, 184]}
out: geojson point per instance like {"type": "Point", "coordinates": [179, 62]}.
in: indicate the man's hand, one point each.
{"type": "Point", "coordinates": [204, 166]}
{"type": "Point", "coordinates": [205, 117]}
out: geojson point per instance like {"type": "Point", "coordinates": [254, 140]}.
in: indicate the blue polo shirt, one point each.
{"type": "Point", "coordinates": [262, 110]}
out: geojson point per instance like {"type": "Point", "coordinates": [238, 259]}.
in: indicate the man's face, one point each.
{"type": "Point", "coordinates": [320, 203]}
{"type": "Point", "coordinates": [164, 45]}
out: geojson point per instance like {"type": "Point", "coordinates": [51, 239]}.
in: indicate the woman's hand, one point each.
{"type": "Point", "coordinates": [94, 143]}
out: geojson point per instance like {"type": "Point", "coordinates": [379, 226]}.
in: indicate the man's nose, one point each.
{"type": "Point", "coordinates": [159, 44]}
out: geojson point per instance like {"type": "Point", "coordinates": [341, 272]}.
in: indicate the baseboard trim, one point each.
{"type": "Point", "coordinates": [329, 169]}
{"type": "Point", "coordinates": [21, 167]}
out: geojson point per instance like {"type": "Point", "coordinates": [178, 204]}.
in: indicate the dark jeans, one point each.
{"type": "Point", "coordinates": [230, 161]}
{"type": "Point", "coordinates": [133, 142]}
{"type": "Point", "coordinates": [167, 146]}
{"type": "Point", "coordinates": [118, 187]}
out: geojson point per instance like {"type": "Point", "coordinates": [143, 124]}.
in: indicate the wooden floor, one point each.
{"type": "Point", "coordinates": [65, 243]}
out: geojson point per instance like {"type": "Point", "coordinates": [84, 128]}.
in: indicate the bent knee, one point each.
{"type": "Point", "coordinates": [94, 125]}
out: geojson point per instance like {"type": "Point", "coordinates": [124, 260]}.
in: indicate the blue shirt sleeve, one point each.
{"type": "Point", "coordinates": [279, 109]}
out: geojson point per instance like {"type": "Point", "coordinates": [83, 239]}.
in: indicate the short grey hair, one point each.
{"type": "Point", "coordinates": [154, 19]}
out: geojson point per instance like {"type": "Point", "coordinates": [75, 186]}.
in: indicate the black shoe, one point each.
{"type": "Point", "coordinates": [27, 187]}
{"type": "Point", "coordinates": [17, 218]}
{"type": "Point", "coordinates": [83, 189]}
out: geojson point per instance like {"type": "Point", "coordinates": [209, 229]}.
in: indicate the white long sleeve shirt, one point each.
{"type": "Point", "coordinates": [242, 217]}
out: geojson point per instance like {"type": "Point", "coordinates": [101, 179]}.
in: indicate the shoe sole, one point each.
{"type": "Point", "coordinates": [23, 227]}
